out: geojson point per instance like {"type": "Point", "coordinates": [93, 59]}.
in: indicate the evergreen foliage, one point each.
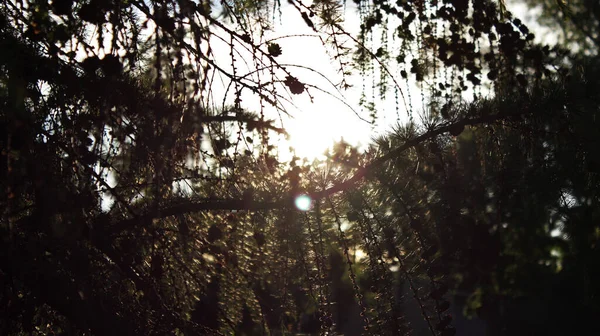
{"type": "Point", "coordinates": [141, 198]}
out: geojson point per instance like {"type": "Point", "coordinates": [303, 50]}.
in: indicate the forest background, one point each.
{"type": "Point", "coordinates": [148, 187]}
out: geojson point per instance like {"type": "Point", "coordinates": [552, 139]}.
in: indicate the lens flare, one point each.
{"type": "Point", "coordinates": [303, 202]}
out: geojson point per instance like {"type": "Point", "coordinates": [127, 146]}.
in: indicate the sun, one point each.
{"type": "Point", "coordinates": [317, 126]}
{"type": "Point", "coordinates": [310, 138]}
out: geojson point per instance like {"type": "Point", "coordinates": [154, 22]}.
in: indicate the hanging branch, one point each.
{"type": "Point", "coordinates": [403, 268]}
{"type": "Point", "coordinates": [326, 318]}
{"type": "Point", "coordinates": [437, 290]}
{"type": "Point", "coordinates": [375, 253]}
{"type": "Point", "coordinates": [345, 248]}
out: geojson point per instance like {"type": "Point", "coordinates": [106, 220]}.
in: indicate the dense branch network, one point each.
{"type": "Point", "coordinates": [149, 195]}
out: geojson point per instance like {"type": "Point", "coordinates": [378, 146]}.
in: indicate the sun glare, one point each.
{"type": "Point", "coordinates": [316, 127]}
{"type": "Point", "coordinates": [303, 202]}
{"type": "Point", "coordinates": [309, 139]}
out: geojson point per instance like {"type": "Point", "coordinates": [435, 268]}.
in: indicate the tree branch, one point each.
{"type": "Point", "coordinates": [363, 171]}
{"type": "Point", "coordinates": [251, 205]}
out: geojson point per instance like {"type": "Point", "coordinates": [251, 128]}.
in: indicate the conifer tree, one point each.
{"type": "Point", "coordinates": [142, 197]}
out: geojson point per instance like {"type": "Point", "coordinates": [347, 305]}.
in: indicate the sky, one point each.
{"type": "Point", "coordinates": [316, 124]}
{"type": "Point", "coordinates": [332, 115]}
